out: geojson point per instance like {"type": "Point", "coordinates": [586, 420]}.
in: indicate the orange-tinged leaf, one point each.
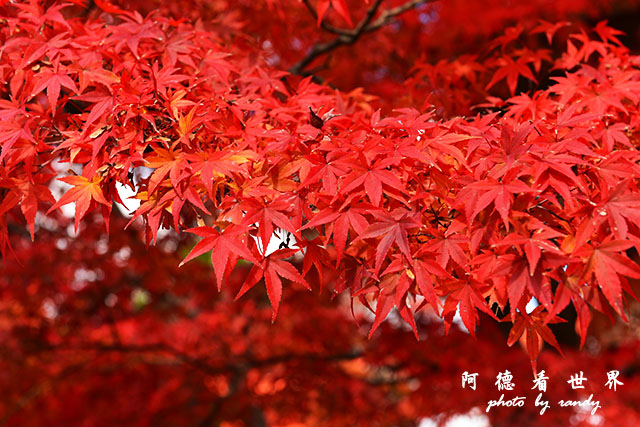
{"type": "Point", "coordinates": [85, 193]}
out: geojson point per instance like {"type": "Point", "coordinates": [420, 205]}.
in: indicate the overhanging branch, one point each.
{"type": "Point", "coordinates": [346, 36]}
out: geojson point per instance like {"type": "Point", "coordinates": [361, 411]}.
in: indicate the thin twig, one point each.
{"type": "Point", "coordinates": [203, 366]}
{"type": "Point", "coordinates": [347, 37]}
{"type": "Point", "coordinates": [389, 14]}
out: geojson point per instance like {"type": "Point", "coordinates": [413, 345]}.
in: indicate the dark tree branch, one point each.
{"type": "Point", "coordinates": [305, 356]}
{"type": "Point", "coordinates": [212, 417]}
{"type": "Point", "coordinates": [347, 37]}
{"type": "Point", "coordinates": [201, 365]}
{"type": "Point", "coordinates": [38, 389]}
{"type": "Point", "coordinates": [389, 14]}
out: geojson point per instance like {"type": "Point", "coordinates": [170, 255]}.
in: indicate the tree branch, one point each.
{"type": "Point", "coordinates": [202, 365]}
{"type": "Point", "coordinates": [37, 390]}
{"type": "Point", "coordinates": [347, 37]}
{"type": "Point", "coordinates": [389, 14]}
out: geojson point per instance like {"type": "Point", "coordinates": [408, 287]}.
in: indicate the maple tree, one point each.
{"type": "Point", "coordinates": [269, 154]}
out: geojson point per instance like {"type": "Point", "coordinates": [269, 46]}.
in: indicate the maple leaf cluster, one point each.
{"type": "Point", "coordinates": [380, 62]}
